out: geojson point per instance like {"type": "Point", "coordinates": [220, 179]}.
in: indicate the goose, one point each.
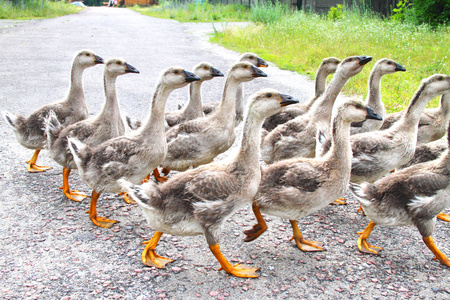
{"type": "Point", "coordinates": [382, 67]}
{"type": "Point", "coordinates": [193, 108]}
{"type": "Point", "coordinates": [411, 196]}
{"type": "Point", "coordinates": [199, 200]}
{"type": "Point", "coordinates": [29, 130]}
{"type": "Point", "coordinates": [326, 68]}
{"type": "Point", "coordinates": [297, 187]}
{"type": "Point", "coordinates": [379, 152]}
{"type": "Point", "coordinates": [106, 125]}
{"type": "Point", "coordinates": [297, 137]}
{"type": "Point", "coordinates": [132, 156]}
{"type": "Point", "coordinates": [258, 62]}
{"type": "Point", "coordinates": [199, 141]}
{"type": "Point", "coordinates": [433, 121]}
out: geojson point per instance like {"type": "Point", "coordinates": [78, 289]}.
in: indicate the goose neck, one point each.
{"type": "Point", "coordinates": [374, 92]}
{"type": "Point", "coordinates": [445, 105]}
{"type": "Point", "coordinates": [194, 105]}
{"type": "Point", "coordinates": [411, 117]}
{"type": "Point", "coordinates": [111, 108]}
{"type": "Point", "coordinates": [340, 152]}
{"type": "Point", "coordinates": [155, 121]}
{"type": "Point", "coordinates": [227, 106]}
{"type": "Point", "coordinates": [249, 151]}
{"type": "Point", "coordinates": [321, 81]}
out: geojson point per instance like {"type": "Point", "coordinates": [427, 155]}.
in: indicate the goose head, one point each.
{"type": "Point", "coordinates": [253, 59]}
{"type": "Point", "coordinates": [267, 102]}
{"type": "Point", "coordinates": [206, 71]}
{"type": "Point", "coordinates": [87, 58]}
{"type": "Point", "coordinates": [355, 111]}
{"type": "Point", "coordinates": [177, 77]}
{"type": "Point", "coordinates": [245, 71]}
{"type": "Point", "coordinates": [330, 64]}
{"type": "Point", "coordinates": [118, 66]}
{"type": "Point", "coordinates": [353, 65]}
{"type": "Point", "coordinates": [435, 85]}
{"type": "Point", "coordinates": [387, 66]}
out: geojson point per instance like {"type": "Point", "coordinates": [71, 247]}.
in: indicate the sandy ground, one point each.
{"type": "Point", "coordinates": [49, 248]}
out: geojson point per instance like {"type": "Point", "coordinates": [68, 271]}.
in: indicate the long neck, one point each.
{"type": "Point", "coordinates": [374, 94]}
{"type": "Point", "coordinates": [340, 152]}
{"type": "Point", "coordinates": [240, 100]}
{"type": "Point", "coordinates": [76, 91]}
{"type": "Point", "coordinates": [249, 151]}
{"type": "Point", "coordinates": [111, 109]}
{"type": "Point", "coordinates": [322, 108]}
{"type": "Point", "coordinates": [445, 106]}
{"type": "Point", "coordinates": [194, 107]}
{"type": "Point", "coordinates": [227, 106]}
{"type": "Point", "coordinates": [321, 81]}
{"type": "Point", "coordinates": [155, 121]}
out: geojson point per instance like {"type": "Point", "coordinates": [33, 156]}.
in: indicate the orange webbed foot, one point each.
{"type": "Point", "coordinates": [443, 217]}
{"type": "Point", "coordinates": [75, 195]}
{"type": "Point", "coordinates": [339, 201]}
{"type": "Point", "coordinates": [243, 271]}
{"type": "Point", "coordinates": [254, 232]}
{"type": "Point", "coordinates": [308, 246]}
{"type": "Point", "coordinates": [103, 222]}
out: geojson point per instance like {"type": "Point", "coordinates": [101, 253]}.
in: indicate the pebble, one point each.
{"type": "Point", "coordinates": [213, 293]}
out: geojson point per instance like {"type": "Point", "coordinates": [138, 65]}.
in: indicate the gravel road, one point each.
{"type": "Point", "coordinates": [49, 248]}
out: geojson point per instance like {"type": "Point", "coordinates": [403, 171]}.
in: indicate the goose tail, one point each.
{"type": "Point", "coordinates": [142, 194]}
{"type": "Point", "coordinates": [14, 121]}
{"type": "Point", "coordinates": [52, 128]}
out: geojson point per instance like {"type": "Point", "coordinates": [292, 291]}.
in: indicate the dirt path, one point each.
{"type": "Point", "coordinates": [49, 249]}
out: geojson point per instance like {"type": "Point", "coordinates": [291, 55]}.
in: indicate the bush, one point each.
{"type": "Point", "coordinates": [268, 13]}
{"type": "Point", "coordinates": [432, 12]}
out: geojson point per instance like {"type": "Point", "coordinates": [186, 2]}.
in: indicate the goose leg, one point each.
{"type": "Point", "coordinates": [73, 195]}
{"type": "Point", "coordinates": [444, 217]}
{"type": "Point", "coordinates": [165, 171]}
{"type": "Point", "coordinates": [257, 229]}
{"type": "Point", "coordinates": [439, 255]}
{"type": "Point", "coordinates": [149, 257]}
{"type": "Point", "coordinates": [158, 176]}
{"type": "Point", "coordinates": [236, 270]}
{"type": "Point", "coordinates": [99, 221]}
{"type": "Point", "coordinates": [32, 167]}
{"type": "Point", "coordinates": [363, 245]}
{"type": "Point", "coordinates": [302, 244]}
{"type": "Point", "coordinates": [339, 201]}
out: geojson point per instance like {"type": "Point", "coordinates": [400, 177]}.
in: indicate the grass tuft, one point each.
{"type": "Point", "coordinates": [32, 9]}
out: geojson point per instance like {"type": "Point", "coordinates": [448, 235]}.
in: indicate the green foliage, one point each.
{"type": "Point", "coordinates": [28, 9]}
{"type": "Point", "coordinates": [336, 13]}
{"type": "Point", "coordinates": [432, 12]}
{"type": "Point", "coordinates": [403, 11]}
{"type": "Point", "coordinates": [267, 13]}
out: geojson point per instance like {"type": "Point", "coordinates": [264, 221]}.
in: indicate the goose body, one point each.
{"type": "Point", "coordinates": [295, 188]}
{"type": "Point", "coordinates": [132, 156]}
{"type": "Point", "coordinates": [412, 196]}
{"type": "Point", "coordinates": [199, 141]}
{"type": "Point", "coordinates": [194, 108]}
{"type": "Point", "coordinates": [297, 137]}
{"type": "Point", "coordinates": [382, 67]}
{"type": "Point", "coordinates": [29, 130]}
{"type": "Point", "coordinates": [377, 153]}
{"type": "Point", "coordinates": [258, 62]}
{"type": "Point", "coordinates": [199, 200]}
{"type": "Point", "coordinates": [433, 122]}
{"type": "Point", "coordinates": [106, 125]}
{"type": "Point", "coordinates": [326, 68]}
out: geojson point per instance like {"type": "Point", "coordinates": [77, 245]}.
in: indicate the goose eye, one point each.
{"type": "Point", "coordinates": [245, 66]}
{"type": "Point", "coordinates": [441, 78]}
{"type": "Point", "coordinates": [269, 95]}
{"type": "Point", "coordinates": [88, 54]}
{"type": "Point", "coordinates": [176, 72]}
{"type": "Point", "coordinates": [119, 62]}
{"type": "Point", "coordinates": [206, 68]}
{"type": "Point", "coordinates": [358, 106]}
{"type": "Point", "coordinates": [389, 63]}
{"type": "Point", "coordinates": [252, 57]}
{"type": "Point", "coordinates": [350, 59]}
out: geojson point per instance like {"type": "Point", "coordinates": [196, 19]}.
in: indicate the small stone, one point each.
{"type": "Point", "coordinates": [176, 269]}
{"type": "Point", "coordinates": [374, 280]}
{"type": "Point", "coordinates": [213, 293]}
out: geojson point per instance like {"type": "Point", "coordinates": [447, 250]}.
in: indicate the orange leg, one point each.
{"type": "Point", "coordinates": [257, 229]}
{"type": "Point", "coordinates": [443, 217]}
{"type": "Point", "coordinates": [236, 270]}
{"type": "Point", "coordinates": [363, 245]}
{"type": "Point", "coordinates": [73, 195]}
{"type": "Point", "coordinates": [146, 179]}
{"type": "Point", "coordinates": [99, 221]}
{"type": "Point", "coordinates": [339, 201]}
{"type": "Point", "coordinates": [150, 258]}
{"type": "Point", "coordinates": [165, 171]}
{"type": "Point", "coordinates": [32, 167]}
{"type": "Point", "coordinates": [302, 244]}
{"type": "Point", "coordinates": [439, 255]}
{"type": "Point", "coordinates": [158, 176]}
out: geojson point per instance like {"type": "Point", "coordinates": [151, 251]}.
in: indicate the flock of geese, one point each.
{"type": "Point", "coordinates": [315, 151]}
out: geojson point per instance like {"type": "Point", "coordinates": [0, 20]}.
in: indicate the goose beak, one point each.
{"type": "Point", "coordinates": [371, 114]}
{"type": "Point", "coordinates": [258, 73]}
{"type": "Point", "coordinates": [98, 59]}
{"type": "Point", "coordinates": [130, 69]}
{"type": "Point", "coordinates": [261, 63]}
{"type": "Point", "coordinates": [190, 77]}
{"type": "Point", "coordinates": [399, 67]}
{"type": "Point", "coordinates": [216, 73]}
{"type": "Point", "coordinates": [364, 59]}
{"type": "Point", "coordinates": [287, 100]}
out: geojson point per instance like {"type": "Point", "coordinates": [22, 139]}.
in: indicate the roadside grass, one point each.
{"type": "Point", "coordinates": [192, 12]}
{"type": "Point", "coordinates": [33, 9]}
{"type": "Point", "coordinates": [299, 42]}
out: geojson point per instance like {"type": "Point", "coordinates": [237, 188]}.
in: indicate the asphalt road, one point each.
{"type": "Point", "coordinates": [49, 249]}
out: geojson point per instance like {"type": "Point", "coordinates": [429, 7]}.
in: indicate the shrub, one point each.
{"type": "Point", "coordinates": [336, 13]}
{"type": "Point", "coordinates": [268, 13]}
{"type": "Point", "coordinates": [433, 12]}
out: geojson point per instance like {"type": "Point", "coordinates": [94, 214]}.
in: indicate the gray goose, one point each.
{"type": "Point", "coordinates": [297, 137]}
{"type": "Point", "coordinates": [106, 125]}
{"type": "Point", "coordinates": [295, 188]}
{"type": "Point", "coordinates": [198, 201]}
{"type": "Point", "coordinates": [326, 68]}
{"type": "Point", "coordinates": [411, 196]}
{"type": "Point", "coordinates": [72, 108]}
{"type": "Point", "coordinates": [132, 156]}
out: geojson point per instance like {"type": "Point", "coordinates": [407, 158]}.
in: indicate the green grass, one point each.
{"type": "Point", "coordinates": [192, 12]}
{"type": "Point", "coordinates": [32, 9]}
